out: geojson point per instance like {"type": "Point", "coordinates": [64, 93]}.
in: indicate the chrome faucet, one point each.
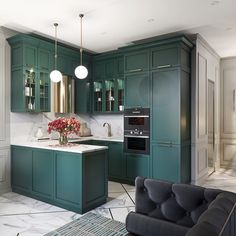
{"type": "Point", "coordinates": [108, 129]}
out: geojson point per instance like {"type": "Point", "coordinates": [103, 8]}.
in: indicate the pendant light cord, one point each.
{"type": "Point", "coordinates": [55, 56]}
{"type": "Point", "coordinates": [81, 37]}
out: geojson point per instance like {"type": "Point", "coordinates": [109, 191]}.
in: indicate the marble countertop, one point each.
{"type": "Point", "coordinates": [112, 139]}
{"type": "Point", "coordinates": [53, 145]}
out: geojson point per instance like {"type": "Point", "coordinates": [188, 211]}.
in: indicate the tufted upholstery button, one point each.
{"type": "Point", "coordinates": [172, 195]}
{"type": "Point", "coordinates": [144, 189]}
{"type": "Point", "coordinates": [187, 213]}
{"type": "Point", "coordinates": [204, 201]}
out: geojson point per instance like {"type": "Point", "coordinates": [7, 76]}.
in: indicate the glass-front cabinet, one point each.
{"type": "Point", "coordinates": [29, 90]}
{"type": "Point", "coordinates": [110, 95]}
{"type": "Point", "coordinates": [44, 91]}
{"type": "Point", "coordinates": [98, 96]}
{"type": "Point", "coordinates": [120, 95]}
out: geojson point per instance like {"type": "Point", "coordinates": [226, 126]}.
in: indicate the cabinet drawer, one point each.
{"type": "Point", "coordinates": [164, 57]}
{"type": "Point", "coordinates": [137, 62]}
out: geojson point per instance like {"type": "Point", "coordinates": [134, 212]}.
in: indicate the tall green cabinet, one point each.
{"type": "Point", "coordinates": [31, 63]}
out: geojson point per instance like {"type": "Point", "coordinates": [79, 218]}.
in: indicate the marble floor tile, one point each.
{"type": "Point", "coordinates": [103, 212]}
{"type": "Point", "coordinates": [118, 200]}
{"type": "Point", "coordinates": [132, 195]}
{"type": "Point", "coordinates": [34, 224]}
{"type": "Point", "coordinates": [13, 203]}
{"type": "Point", "coordinates": [114, 187]}
{"type": "Point", "coordinates": [129, 188]}
{"type": "Point", "coordinates": [120, 214]}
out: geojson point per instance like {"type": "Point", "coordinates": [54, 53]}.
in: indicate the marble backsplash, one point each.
{"type": "Point", "coordinates": [25, 125]}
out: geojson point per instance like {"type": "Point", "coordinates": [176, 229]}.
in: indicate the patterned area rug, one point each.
{"type": "Point", "coordinates": [91, 225]}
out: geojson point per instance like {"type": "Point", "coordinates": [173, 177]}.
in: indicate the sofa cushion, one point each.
{"type": "Point", "coordinates": [214, 219]}
{"type": "Point", "coordinates": [142, 225]}
{"type": "Point", "coordinates": [178, 203]}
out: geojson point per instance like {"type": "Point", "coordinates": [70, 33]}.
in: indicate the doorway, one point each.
{"type": "Point", "coordinates": [211, 127]}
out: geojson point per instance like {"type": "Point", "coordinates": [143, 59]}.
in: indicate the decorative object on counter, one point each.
{"type": "Point", "coordinates": [39, 133]}
{"type": "Point", "coordinates": [55, 75]}
{"type": "Point", "coordinates": [81, 72]}
{"type": "Point", "coordinates": [64, 145]}
{"type": "Point", "coordinates": [64, 126]}
{"type": "Point", "coordinates": [84, 130]}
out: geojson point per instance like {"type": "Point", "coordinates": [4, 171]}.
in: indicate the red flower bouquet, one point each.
{"type": "Point", "coordinates": [64, 126]}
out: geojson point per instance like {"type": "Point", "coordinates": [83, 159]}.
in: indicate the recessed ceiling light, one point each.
{"type": "Point", "coordinates": [215, 2]}
{"type": "Point", "coordinates": [103, 33]}
{"type": "Point", "coordinates": [229, 28]}
{"type": "Point", "coordinates": [150, 20]}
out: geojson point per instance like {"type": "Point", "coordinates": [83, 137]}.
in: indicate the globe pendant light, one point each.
{"type": "Point", "coordinates": [81, 71]}
{"type": "Point", "coordinates": [55, 75]}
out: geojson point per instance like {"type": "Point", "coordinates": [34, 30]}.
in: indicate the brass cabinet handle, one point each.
{"type": "Point", "coordinates": [135, 70]}
{"type": "Point", "coordinates": [165, 144]}
{"type": "Point", "coordinates": [164, 66]}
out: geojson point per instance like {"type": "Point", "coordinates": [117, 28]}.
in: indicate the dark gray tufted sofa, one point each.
{"type": "Point", "coordinates": [168, 209]}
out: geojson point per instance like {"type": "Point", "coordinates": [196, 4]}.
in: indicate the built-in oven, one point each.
{"type": "Point", "coordinates": [137, 130]}
{"type": "Point", "coordinates": [137, 144]}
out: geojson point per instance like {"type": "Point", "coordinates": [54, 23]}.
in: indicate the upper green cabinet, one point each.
{"type": "Point", "coordinates": [137, 61]}
{"type": "Point", "coordinates": [31, 63]}
{"type": "Point", "coordinates": [137, 90]}
{"type": "Point", "coordinates": [108, 84]}
{"type": "Point", "coordinates": [164, 57]}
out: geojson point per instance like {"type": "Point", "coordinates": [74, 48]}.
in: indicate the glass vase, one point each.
{"type": "Point", "coordinates": [63, 140]}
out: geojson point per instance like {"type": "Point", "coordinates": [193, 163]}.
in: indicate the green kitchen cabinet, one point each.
{"type": "Point", "coordinates": [42, 173]}
{"type": "Point", "coordinates": [166, 106]}
{"type": "Point", "coordinates": [67, 176]}
{"type": "Point", "coordinates": [116, 161]}
{"type": "Point", "coordinates": [21, 169]}
{"type": "Point", "coordinates": [82, 96]}
{"type": "Point", "coordinates": [137, 61]}
{"type": "Point", "coordinates": [137, 90]}
{"type": "Point", "coordinates": [31, 63]}
{"type": "Point", "coordinates": [165, 57]}
{"type": "Point", "coordinates": [171, 162]}
{"type": "Point", "coordinates": [166, 162]}
{"type": "Point", "coordinates": [137, 165]}
{"type": "Point", "coordinates": [74, 181]}
{"type": "Point", "coordinates": [45, 59]}
{"type": "Point", "coordinates": [98, 70]}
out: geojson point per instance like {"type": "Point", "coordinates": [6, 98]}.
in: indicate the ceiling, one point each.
{"type": "Point", "coordinates": [109, 24]}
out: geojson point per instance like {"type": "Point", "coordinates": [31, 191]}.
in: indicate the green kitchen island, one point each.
{"type": "Point", "coordinates": [72, 177]}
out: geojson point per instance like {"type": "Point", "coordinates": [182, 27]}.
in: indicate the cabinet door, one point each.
{"type": "Point", "coordinates": [21, 166]}
{"type": "Point", "coordinates": [120, 66]}
{"type": "Point", "coordinates": [43, 92]}
{"type": "Point", "coordinates": [164, 57]}
{"type": "Point", "coordinates": [137, 90]}
{"type": "Point", "coordinates": [136, 165]}
{"type": "Point", "coordinates": [42, 173]}
{"type": "Point", "coordinates": [166, 162]}
{"type": "Point", "coordinates": [44, 59]}
{"type": "Point", "coordinates": [110, 68]}
{"type": "Point", "coordinates": [137, 61]}
{"type": "Point", "coordinates": [68, 179]}
{"type": "Point", "coordinates": [99, 70]}
{"type": "Point", "coordinates": [30, 56]}
{"type": "Point", "coordinates": [63, 64]}
{"type": "Point", "coordinates": [166, 106]}
{"type": "Point", "coordinates": [116, 163]}
{"type": "Point", "coordinates": [82, 96]}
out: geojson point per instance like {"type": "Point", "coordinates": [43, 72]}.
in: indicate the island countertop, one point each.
{"type": "Point", "coordinates": [54, 145]}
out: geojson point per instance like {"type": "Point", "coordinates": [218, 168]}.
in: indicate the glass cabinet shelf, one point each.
{"type": "Point", "coordinates": [98, 94]}
{"type": "Point", "coordinates": [110, 100]}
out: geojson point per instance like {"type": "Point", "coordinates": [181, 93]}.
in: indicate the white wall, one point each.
{"type": "Point", "coordinates": [205, 66]}
{"type": "Point", "coordinates": [4, 112]}
{"type": "Point", "coordinates": [228, 112]}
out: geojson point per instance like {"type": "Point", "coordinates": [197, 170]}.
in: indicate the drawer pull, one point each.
{"type": "Point", "coordinates": [163, 66]}
{"type": "Point", "coordinates": [135, 70]}
{"type": "Point", "coordinates": [165, 145]}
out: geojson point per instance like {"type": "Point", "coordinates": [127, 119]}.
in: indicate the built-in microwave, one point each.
{"type": "Point", "coordinates": [137, 119]}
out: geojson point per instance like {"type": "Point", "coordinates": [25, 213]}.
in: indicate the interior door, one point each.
{"type": "Point", "coordinates": [211, 127]}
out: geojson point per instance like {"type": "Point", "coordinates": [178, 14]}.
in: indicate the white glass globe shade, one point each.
{"type": "Point", "coordinates": [81, 72]}
{"type": "Point", "coordinates": [55, 76]}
